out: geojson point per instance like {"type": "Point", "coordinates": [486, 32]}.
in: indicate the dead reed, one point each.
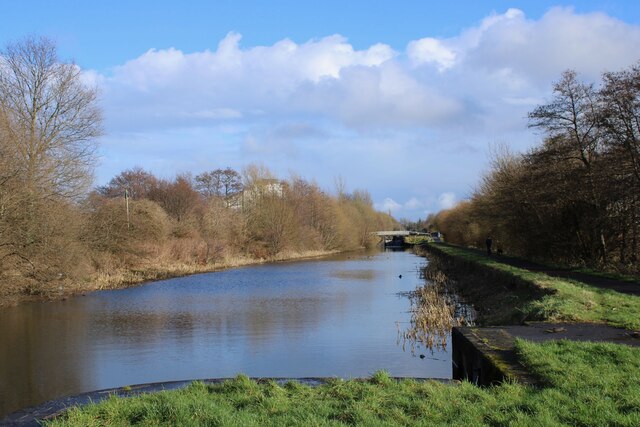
{"type": "Point", "coordinates": [433, 313]}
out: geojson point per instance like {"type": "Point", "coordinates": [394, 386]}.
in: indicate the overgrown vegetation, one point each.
{"type": "Point", "coordinates": [57, 236]}
{"type": "Point", "coordinates": [433, 313]}
{"type": "Point", "coordinates": [575, 199]}
{"type": "Point", "coordinates": [512, 295]}
{"type": "Point", "coordinates": [585, 384]}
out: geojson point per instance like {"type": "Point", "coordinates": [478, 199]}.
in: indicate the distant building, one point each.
{"type": "Point", "coordinates": [257, 189]}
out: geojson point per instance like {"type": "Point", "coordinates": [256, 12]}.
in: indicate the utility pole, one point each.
{"type": "Point", "coordinates": [126, 199]}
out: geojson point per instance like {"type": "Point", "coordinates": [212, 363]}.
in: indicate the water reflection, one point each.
{"type": "Point", "coordinates": [334, 317]}
{"type": "Point", "coordinates": [354, 274]}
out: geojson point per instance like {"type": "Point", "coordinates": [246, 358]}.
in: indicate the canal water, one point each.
{"type": "Point", "coordinates": [336, 316]}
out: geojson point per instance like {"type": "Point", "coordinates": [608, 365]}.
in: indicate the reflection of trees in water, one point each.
{"type": "Point", "coordinates": [363, 274]}
{"type": "Point", "coordinates": [41, 354]}
{"type": "Point", "coordinates": [434, 311]}
{"type": "Point", "coordinates": [254, 319]}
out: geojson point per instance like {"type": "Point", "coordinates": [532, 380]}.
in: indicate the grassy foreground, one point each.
{"type": "Point", "coordinates": [571, 301]}
{"type": "Point", "coordinates": [585, 384]}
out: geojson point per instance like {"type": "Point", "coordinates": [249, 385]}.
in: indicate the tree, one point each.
{"type": "Point", "coordinates": [571, 117]}
{"type": "Point", "coordinates": [620, 98]}
{"type": "Point", "coordinates": [231, 183]}
{"type": "Point", "coordinates": [53, 116]}
{"type": "Point", "coordinates": [621, 119]}
{"type": "Point", "coordinates": [49, 121]}
{"type": "Point", "coordinates": [571, 123]}
{"type": "Point", "coordinates": [137, 181]}
{"type": "Point", "coordinates": [177, 198]}
{"type": "Point", "coordinates": [208, 183]}
{"type": "Point", "coordinates": [222, 183]}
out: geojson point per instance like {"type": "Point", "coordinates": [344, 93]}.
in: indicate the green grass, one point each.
{"type": "Point", "coordinates": [623, 277]}
{"type": "Point", "coordinates": [608, 274]}
{"type": "Point", "coordinates": [571, 301]}
{"type": "Point", "coordinates": [585, 384]}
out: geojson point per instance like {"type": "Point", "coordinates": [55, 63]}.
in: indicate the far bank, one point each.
{"type": "Point", "coordinates": [149, 271]}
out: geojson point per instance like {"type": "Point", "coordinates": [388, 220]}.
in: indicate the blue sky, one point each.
{"type": "Point", "coordinates": [401, 98]}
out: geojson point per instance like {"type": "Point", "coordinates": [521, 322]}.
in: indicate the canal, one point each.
{"type": "Point", "coordinates": [335, 316]}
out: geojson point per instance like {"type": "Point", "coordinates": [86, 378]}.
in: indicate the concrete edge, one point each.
{"type": "Point", "coordinates": [487, 356]}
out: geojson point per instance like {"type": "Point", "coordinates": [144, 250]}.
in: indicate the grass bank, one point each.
{"type": "Point", "coordinates": [507, 294]}
{"type": "Point", "coordinates": [585, 384]}
{"type": "Point", "coordinates": [151, 270]}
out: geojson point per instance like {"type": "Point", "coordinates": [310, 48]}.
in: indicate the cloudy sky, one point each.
{"type": "Point", "coordinates": [401, 98]}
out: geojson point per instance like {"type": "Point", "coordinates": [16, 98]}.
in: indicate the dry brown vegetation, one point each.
{"type": "Point", "coordinates": [575, 199]}
{"type": "Point", "coordinates": [55, 238]}
{"type": "Point", "coordinates": [433, 313]}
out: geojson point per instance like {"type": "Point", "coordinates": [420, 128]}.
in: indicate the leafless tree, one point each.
{"type": "Point", "coordinates": [208, 183]}
{"type": "Point", "coordinates": [177, 198]}
{"type": "Point", "coordinates": [571, 124]}
{"type": "Point", "coordinates": [621, 118]}
{"type": "Point", "coordinates": [53, 115]}
{"type": "Point", "coordinates": [571, 116]}
{"type": "Point", "coordinates": [620, 98]}
{"type": "Point", "coordinates": [49, 123]}
{"type": "Point", "coordinates": [223, 183]}
{"type": "Point", "coordinates": [138, 182]}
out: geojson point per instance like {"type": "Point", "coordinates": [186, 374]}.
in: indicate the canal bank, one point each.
{"type": "Point", "coordinates": [120, 278]}
{"type": "Point", "coordinates": [513, 303]}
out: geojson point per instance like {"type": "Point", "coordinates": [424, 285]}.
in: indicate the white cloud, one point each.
{"type": "Point", "coordinates": [447, 200]}
{"type": "Point", "coordinates": [215, 113]}
{"type": "Point", "coordinates": [540, 50]}
{"type": "Point", "coordinates": [506, 60]}
{"type": "Point", "coordinates": [388, 205]}
{"type": "Point", "coordinates": [414, 207]}
{"type": "Point", "coordinates": [413, 204]}
{"type": "Point", "coordinates": [324, 107]}
{"type": "Point", "coordinates": [429, 50]}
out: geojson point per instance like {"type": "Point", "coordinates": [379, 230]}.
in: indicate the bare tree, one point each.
{"type": "Point", "coordinates": [621, 119]}
{"type": "Point", "coordinates": [177, 198]}
{"type": "Point", "coordinates": [223, 183]}
{"type": "Point", "coordinates": [571, 122]}
{"type": "Point", "coordinates": [54, 117]}
{"type": "Point", "coordinates": [138, 182]}
{"type": "Point", "coordinates": [620, 97]}
{"type": "Point", "coordinates": [49, 122]}
{"type": "Point", "coordinates": [208, 183]}
{"type": "Point", "coordinates": [571, 116]}
{"type": "Point", "coordinates": [231, 183]}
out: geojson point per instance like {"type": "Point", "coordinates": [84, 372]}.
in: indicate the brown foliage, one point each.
{"type": "Point", "coordinates": [109, 231]}
{"type": "Point", "coordinates": [136, 182]}
{"type": "Point", "coordinates": [574, 199]}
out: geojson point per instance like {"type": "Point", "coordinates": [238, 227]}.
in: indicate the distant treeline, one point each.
{"type": "Point", "coordinates": [55, 232]}
{"type": "Point", "coordinates": [575, 199]}
{"type": "Point", "coordinates": [224, 213]}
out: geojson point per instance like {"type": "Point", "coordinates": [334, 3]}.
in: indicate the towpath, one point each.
{"type": "Point", "coordinates": [631, 287]}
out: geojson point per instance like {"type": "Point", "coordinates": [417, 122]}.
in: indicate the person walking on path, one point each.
{"type": "Point", "coordinates": [488, 242]}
